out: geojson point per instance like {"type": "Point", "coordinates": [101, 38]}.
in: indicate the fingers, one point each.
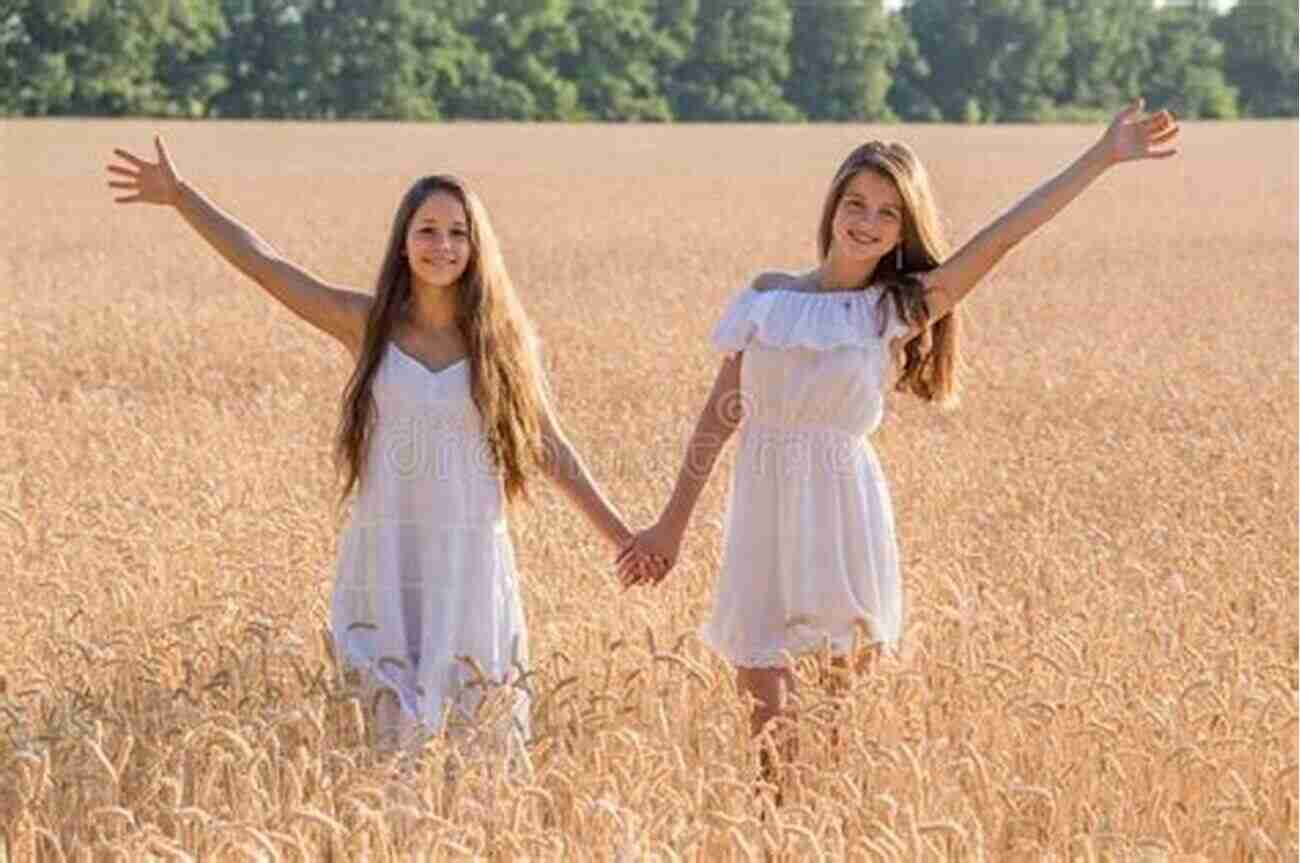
{"type": "Point", "coordinates": [134, 160]}
{"type": "Point", "coordinates": [1160, 121]}
{"type": "Point", "coordinates": [628, 556]}
{"type": "Point", "coordinates": [627, 573]}
{"type": "Point", "coordinates": [651, 570]}
{"type": "Point", "coordinates": [1163, 117]}
{"type": "Point", "coordinates": [629, 568]}
{"type": "Point", "coordinates": [132, 182]}
{"type": "Point", "coordinates": [163, 157]}
{"type": "Point", "coordinates": [628, 549]}
{"type": "Point", "coordinates": [1161, 129]}
{"type": "Point", "coordinates": [643, 568]}
{"type": "Point", "coordinates": [1163, 135]}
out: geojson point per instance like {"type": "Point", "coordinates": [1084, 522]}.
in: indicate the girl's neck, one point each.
{"type": "Point", "coordinates": [839, 274]}
{"type": "Point", "coordinates": [432, 308]}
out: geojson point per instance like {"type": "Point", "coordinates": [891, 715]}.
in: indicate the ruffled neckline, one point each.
{"type": "Point", "coordinates": [818, 320]}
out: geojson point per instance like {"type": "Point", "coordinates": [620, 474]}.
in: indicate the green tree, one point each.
{"type": "Point", "coordinates": [113, 61]}
{"type": "Point", "coordinates": [1109, 50]}
{"type": "Point", "coordinates": [738, 64]}
{"type": "Point", "coordinates": [525, 41]}
{"type": "Point", "coordinates": [103, 57]}
{"type": "Point", "coordinates": [1186, 72]}
{"type": "Point", "coordinates": [363, 61]}
{"type": "Point", "coordinates": [35, 40]}
{"type": "Point", "coordinates": [324, 59]}
{"type": "Point", "coordinates": [674, 21]}
{"type": "Point", "coordinates": [189, 64]}
{"type": "Point", "coordinates": [462, 76]}
{"type": "Point", "coordinates": [674, 24]}
{"type": "Point", "coordinates": [909, 96]}
{"type": "Point", "coordinates": [992, 60]}
{"type": "Point", "coordinates": [615, 66]}
{"type": "Point", "coordinates": [265, 58]}
{"type": "Point", "coordinates": [1259, 40]}
{"type": "Point", "coordinates": [841, 59]}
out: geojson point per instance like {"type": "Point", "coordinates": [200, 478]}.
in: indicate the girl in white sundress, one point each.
{"type": "Point", "coordinates": [809, 554]}
{"type": "Point", "coordinates": [444, 420]}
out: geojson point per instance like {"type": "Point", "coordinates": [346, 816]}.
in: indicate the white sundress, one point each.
{"type": "Point", "coordinates": [426, 567]}
{"type": "Point", "coordinates": [809, 552]}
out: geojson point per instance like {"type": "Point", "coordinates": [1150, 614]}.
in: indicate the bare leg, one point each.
{"type": "Point", "coordinates": [388, 720]}
{"type": "Point", "coordinates": [836, 680]}
{"type": "Point", "coordinates": [396, 730]}
{"type": "Point", "coordinates": [770, 688]}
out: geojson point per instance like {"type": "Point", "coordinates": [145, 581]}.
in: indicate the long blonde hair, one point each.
{"type": "Point", "coordinates": [931, 360]}
{"type": "Point", "coordinates": [505, 375]}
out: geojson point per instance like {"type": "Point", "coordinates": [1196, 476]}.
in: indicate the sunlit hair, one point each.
{"type": "Point", "coordinates": [932, 358]}
{"type": "Point", "coordinates": [505, 376]}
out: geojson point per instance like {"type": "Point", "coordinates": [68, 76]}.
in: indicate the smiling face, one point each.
{"type": "Point", "coordinates": [438, 246]}
{"type": "Point", "coordinates": [868, 220]}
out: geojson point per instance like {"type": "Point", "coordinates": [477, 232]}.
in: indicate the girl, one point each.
{"type": "Point", "coordinates": [808, 551]}
{"type": "Point", "coordinates": [444, 421]}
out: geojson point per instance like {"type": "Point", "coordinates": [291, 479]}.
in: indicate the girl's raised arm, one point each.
{"type": "Point", "coordinates": [337, 311]}
{"type": "Point", "coordinates": [1130, 136]}
{"type": "Point", "coordinates": [718, 420]}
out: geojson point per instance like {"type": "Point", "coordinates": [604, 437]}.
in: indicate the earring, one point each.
{"type": "Point", "coordinates": [898, 257]}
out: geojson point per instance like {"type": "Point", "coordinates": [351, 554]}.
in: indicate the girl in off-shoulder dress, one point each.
{"type": "Point", "coordinates": [809, 554]}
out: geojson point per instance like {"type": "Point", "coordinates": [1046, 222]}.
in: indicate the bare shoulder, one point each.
{"type": "Point", "coordinates": [773, 280]}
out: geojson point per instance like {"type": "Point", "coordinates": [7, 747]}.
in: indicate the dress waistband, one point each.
{"type": "Point", "coordinates": [803, 450]}
{"type": "Point", "coordinates": [800, 433]}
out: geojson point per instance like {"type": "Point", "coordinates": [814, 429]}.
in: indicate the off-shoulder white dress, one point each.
{"type": "Point", "coordinates": [809, 552]}
{"type": "Point", "coordinates": [426, 584]}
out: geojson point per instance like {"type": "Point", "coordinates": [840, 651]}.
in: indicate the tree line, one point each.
{"type": "Point", "coordinates": [646, 60]}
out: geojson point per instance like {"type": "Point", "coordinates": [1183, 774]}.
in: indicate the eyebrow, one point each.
{"type": "Point", "coordinates": [861, 197]}
{"type": "Point", "coordinates": [424, 220]}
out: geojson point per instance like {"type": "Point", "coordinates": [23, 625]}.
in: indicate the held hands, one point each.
{"type": "Point", "coordinates": [1134, 135]}
{"type": "Point", "coordinates": [147, 182]}
{"type": "Point", "coordinates": [650, 556]}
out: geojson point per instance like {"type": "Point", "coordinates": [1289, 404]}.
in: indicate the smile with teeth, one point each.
{"type": "Point", "coordinates": [864, 239]}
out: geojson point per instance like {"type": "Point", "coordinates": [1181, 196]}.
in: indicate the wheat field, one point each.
{"type": "Point", "coordinates": [1099, 545]}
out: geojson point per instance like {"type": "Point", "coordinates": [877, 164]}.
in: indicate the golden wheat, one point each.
{"type": "Point", "coordinates": [1099, 548]}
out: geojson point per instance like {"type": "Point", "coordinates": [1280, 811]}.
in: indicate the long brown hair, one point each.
{"type": "Point", "coordinates": [932, 358]}
{"type": "Point", "coordinates": [505, 374]}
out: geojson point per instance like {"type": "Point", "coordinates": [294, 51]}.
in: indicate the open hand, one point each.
{"type": "Point", "coordinates": [147, 182]}
{"type": "Point", "coordinates": [1134, 135]}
